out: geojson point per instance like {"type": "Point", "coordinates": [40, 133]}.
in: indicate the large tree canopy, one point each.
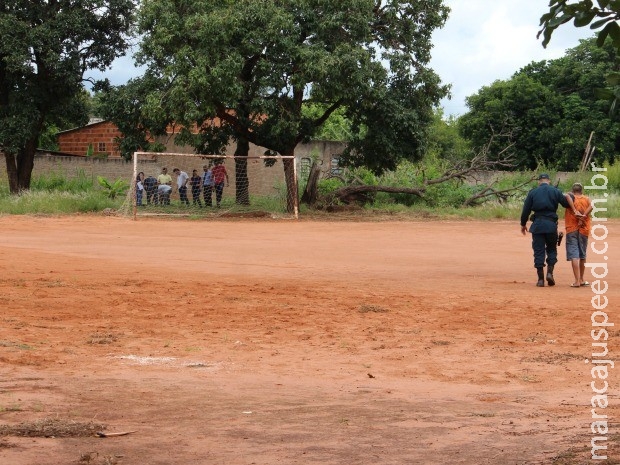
{"type": "Point", "coordinates": [548, 110]}
{"type": "Point", "coordinates": [46, 47]}
{"type": "Point", "coordinates": [255, 64]}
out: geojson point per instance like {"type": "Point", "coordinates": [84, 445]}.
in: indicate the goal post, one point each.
{"type": "Point", "coordinates": [212, 185]}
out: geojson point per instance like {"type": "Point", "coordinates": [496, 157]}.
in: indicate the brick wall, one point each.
{"type": "Point", "coordinates": [101, 136]}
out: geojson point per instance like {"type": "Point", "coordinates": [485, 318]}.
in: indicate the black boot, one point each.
{"type": "Point", "coordinates": [550, 279]}
{"type": "Point", "coordinates": [541, 277]}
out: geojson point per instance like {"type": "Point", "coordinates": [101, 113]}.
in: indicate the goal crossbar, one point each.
{"type": "Point", "coordinates": [215, 157]}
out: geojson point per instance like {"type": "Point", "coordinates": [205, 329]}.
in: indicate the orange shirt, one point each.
{"type": "Point", "coordinates": [571, 222]}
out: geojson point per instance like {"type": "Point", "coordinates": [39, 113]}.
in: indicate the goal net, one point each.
{"type": "Point", "coordinates": [212, 185]}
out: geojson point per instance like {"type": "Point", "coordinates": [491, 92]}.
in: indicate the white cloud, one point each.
{"type": "Point", "coordinates": [485, 40]}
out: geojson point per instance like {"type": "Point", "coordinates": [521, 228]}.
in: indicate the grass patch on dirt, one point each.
{"type": "Point", "coordinates": [372, 309]}
{"type": "Point", "coordinates": [102, 338]}
{"type": "Point", "coordinates": [52, 427]}
{"type": "Point", "coordinates": [554, 358]}
{"type": "Point", "coordinates": [19, 345]}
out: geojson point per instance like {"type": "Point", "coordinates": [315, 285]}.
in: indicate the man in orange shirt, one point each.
{"type": "Point", "coordinates": [577, 232]}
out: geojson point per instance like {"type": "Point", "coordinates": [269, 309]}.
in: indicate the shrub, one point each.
{"type": "Point", "coordinates": [114, 189]}
{"type": "Point", "coordinates": [329, 185]}
{"type": "Point", "coordinates": [613, 176]}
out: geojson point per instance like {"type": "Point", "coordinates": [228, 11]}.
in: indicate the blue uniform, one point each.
{"type": "Point", "coordinates": [543, 201]}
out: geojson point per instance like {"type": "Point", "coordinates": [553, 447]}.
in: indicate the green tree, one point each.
{"type": "Point", "coordinates": [548, 110]}
{"type": "Point", "coordinates": [444, 140]}
{"type": "Point", "coordinates": [337, 127]}
{"type": "Point", "coordinates": [75, 113]}
{"type": "Point", "coordinates": [255, 65]}
{"type": "Point", "coordinates": [46, 47]}
{"type": "Point", "coordinates": [520, 110]}
{"type": "Point", "coordinates": [123, 105]}
{"type": "Point", "coordinates": [603, 17]}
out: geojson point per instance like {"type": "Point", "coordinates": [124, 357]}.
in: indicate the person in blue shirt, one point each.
{"type": "Point", "coordinates": [150, 187]}
{"type": "Point", "coordinates": [544, 201]}
{"type": "Point", "coordinates": [207, 185]}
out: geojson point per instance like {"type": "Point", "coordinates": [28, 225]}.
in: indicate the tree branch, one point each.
{"type": "Point", "coordinates": [502, 195]}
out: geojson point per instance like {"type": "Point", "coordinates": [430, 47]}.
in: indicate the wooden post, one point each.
{"type": "Point", "coordinates": [587, 154]}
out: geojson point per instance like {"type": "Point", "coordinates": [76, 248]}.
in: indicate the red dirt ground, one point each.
{"type": "Point", "coordinates": [293, 342]}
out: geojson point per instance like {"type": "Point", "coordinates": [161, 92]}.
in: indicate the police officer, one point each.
{"type": "Point", "coordinates": [544, 201]}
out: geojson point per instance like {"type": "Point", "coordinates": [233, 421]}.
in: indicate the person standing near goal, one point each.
{"type": "Point", "coordinates": [219, 176]}
{"type": "Point", "coordinates": [182, 179]}
{"type": "Point", "coordinates": [139, 189]}
{"type": "Point", "coordinates": [164, 186]}
{"type": "Point", "coordinates": [194, 183]}
{"type": "Point", "coordinates": [150, 187]}
{"type": "Point", "coordinates": [207, 185]}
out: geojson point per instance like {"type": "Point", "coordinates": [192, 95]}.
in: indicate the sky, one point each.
{"type": "Point", "coordinates": [486, 40]}
{"type": "Point", "coordinates": [481, 42]}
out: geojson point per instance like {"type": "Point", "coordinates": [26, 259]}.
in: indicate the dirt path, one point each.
{"type": "Point", "coordinates": [283, 342]}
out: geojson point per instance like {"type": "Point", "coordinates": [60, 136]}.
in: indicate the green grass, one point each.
{"type": "Point", "coordinates": [55, 202]}
{"type": "Point", "coordinates": [491, 210]}
{"type": "Point", "coordinates": [56, 181]}
{"type": "Point", "coordinates": [54, 194]}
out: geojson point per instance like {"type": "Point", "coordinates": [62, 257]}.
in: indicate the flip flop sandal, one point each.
{"type": "Point", "coordinates": [575, 285]}
{"type": "Point", "coordinates": [585, 283]}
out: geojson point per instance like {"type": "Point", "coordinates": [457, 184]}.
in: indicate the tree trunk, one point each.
{"type": "Point", "coordinates": [311, 191]}
{"type": "Point", "coordinates": [292, 201]}
{"type": "Point", "coordinates": [19, 167]}
{"type": "Point", "coordinates": [242, 183]}
{"type": "Point", "coordinates": [11, 172]}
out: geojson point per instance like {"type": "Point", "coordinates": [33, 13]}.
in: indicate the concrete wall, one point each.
{"type": "Point", "coordinates": [45, 164]}
{"type": "Point", "coordinates": [263, 180]}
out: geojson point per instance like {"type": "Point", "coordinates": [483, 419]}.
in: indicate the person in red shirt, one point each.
{"type": "Point", "coordinates": [219, 176]}
{"type": "Point", "coordinates": [577, 231]}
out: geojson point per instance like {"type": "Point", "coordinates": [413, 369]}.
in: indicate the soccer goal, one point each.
{"type": "Point", "coordinates": [213, 185]}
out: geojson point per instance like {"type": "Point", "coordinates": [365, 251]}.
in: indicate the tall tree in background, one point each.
{"type": "Point", "coordinates": [255, 64]}
{"type": "Point", "coordinates": [444, 140]}
{"type": "Point", "coordinates": [548, 110]}
{"type": "Point", "coordinates": [603, 18]}
{"type": "Point", "coordinates": [46, 47]}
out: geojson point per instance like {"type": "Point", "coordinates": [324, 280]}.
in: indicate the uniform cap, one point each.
{"type": "Point", "coordinates": [543, 176]}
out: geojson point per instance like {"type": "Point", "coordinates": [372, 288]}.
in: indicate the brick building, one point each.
{"type": "Point", "coordinates": [98, 138]}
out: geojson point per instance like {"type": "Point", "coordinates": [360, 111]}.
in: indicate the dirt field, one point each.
{"type": "Point", "coordinates": [285, 342]}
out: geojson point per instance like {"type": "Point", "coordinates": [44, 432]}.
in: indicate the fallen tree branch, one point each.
{"type": "Point", "coordinates": [352, 193]}
{"type": "Point", "coordinates": [502, 194]}
{"type": "Point", "coordinates": [461, 170]}
{"type": "Point", "coordinates": [480, 162]}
